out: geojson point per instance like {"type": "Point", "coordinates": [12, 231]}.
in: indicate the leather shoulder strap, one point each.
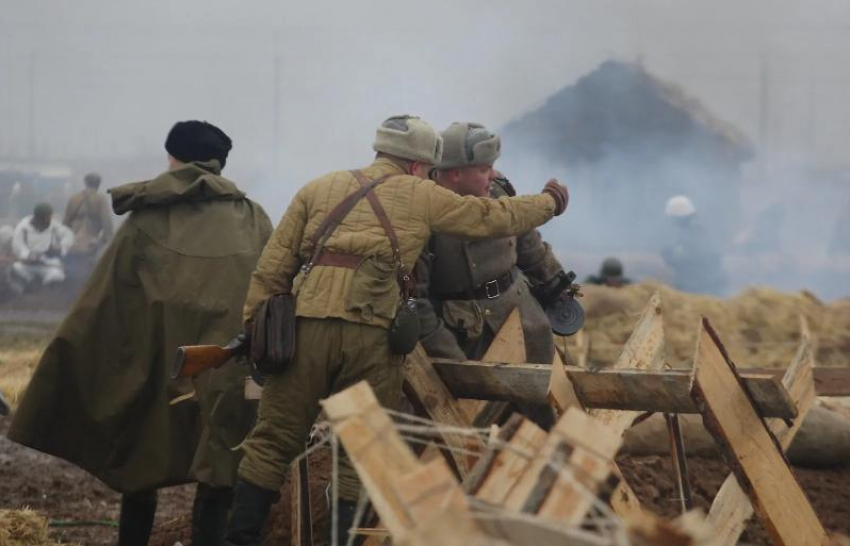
{"type": "Point", "coordinates": [405, 282]}
{"type": "Point", "coordinates": [333, 219]}
{"type": "Point", "coordinates": [381, 214]}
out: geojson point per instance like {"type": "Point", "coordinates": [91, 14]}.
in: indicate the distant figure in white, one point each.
{"type": "Point", "coordinates": [39, 244]}
{"type": "Point", "coordinates": [696, 260]}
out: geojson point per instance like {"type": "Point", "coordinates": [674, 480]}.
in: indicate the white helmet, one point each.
{"type": "Point", "coordinates": [679, 206]}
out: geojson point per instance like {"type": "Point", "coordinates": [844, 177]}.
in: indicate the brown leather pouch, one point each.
{"type": "Point", "coordinates": [273, 334]}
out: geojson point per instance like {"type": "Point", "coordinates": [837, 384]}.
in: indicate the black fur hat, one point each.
{"type": "Point", "coordinates": [197, 141]}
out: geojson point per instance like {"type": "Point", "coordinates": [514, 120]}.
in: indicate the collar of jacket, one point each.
{"type": "Point", "coordinates": [384, 163]}
{"type": "Point", "coordinates": [196, 181]}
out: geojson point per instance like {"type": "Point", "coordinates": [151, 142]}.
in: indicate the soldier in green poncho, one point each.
{"type": "Point", "coordinates": [176, 273]}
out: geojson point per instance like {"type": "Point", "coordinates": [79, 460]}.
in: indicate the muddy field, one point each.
{"type": "Point", "coordinates": [84, 511]}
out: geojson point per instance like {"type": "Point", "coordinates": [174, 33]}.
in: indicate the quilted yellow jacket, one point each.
{"type": "Point", "coordinates": [416, 208]}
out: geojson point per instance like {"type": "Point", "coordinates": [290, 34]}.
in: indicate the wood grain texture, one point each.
{"type": "Point", "coordinates": [731, 508]}
{"type": "Point", "coordinates": [754, 455]}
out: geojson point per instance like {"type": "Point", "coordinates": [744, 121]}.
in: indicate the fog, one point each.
{"type": "Point", "coordinates": [300, 89]}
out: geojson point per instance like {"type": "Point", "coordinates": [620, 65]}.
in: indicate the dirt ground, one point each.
{"type": "Point", "coordinates": [89, 510]}
{"type": "Point", "coordinates": [84, 511]}
{"type": "Point", "coordinates": [652, 479]}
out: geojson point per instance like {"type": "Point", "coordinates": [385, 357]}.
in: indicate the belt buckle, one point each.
{"type": "Point", "coordinates": [495, 284]}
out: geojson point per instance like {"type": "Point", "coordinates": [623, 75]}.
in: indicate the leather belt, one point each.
{"type": "Point", "coordinates": [338, 259]}
{"type": "Point", "coordinates": [485, 291]}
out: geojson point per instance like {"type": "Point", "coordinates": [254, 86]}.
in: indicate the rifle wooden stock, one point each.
{"type": "Point", "coordinates": [192, 360]}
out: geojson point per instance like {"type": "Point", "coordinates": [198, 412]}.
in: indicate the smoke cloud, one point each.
{"type": "Point", "coordinates": [300, 87]}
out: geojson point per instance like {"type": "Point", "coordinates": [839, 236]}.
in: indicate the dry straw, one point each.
{"type": "Point", "coordinates": [760, 327]}
{"type": "Point", "coordinates": [24, 528]}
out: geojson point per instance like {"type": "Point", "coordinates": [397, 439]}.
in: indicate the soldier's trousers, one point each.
{"type": "Point", "coordinates": [330, 355]}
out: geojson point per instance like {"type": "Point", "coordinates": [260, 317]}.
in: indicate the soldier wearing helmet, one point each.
{"type": "Point", "coordinates": [691, 254]}
{"type": "Point", "coordinates": [468, 288]}
{"type": "Point", "coordinates": [610, 274]}
{"type": "Point", "coordinates": [348, 294]}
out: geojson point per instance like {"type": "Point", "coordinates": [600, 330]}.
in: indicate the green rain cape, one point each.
{"type": "Point", "coordinates": [176, 273]}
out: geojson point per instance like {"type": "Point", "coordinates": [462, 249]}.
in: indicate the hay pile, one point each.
{"type": "Point", "coordinates": [24, 528]}
{"type": "Point", "coordinates": [760, 327]}
{"type": "Point", "coordinates": [19, 354]}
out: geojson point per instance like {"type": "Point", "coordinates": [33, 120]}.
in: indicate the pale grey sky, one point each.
{"type": "Point", "coordinates": [109, 77]}
{"type": "Point", "coordinates": [301, 86]}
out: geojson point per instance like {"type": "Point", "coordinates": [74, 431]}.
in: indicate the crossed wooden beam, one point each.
{"type": "Point", "coordinates": [557, 477]}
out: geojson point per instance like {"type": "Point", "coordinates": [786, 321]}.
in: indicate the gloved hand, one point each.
{"type": "Point", "coordinates": [559, 193]}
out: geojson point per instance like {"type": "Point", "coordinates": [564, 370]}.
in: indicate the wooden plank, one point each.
{"type": "Point", "coordinates": [649, 529]}
{"type": "Point", "coordinates": [450, 528]}
{"type": "Point", "coordinates": [378, 453]}
{"type": "Point", "coordinates": [431, 489]}
{"type": "Point", "coordinates": [623, 499]}
{"type": "Point", "coordinates": [662, 391]}
{"type": "Point", "coordinates": [589, 465]}
{"type": "Point", "coordinates": [525, 530]}
{"type": "Point", "coordinates": [828, 381]}
{"type": "Point", "coordinates": [302, 520]}
{"type": "Point", "coordinates": [510, 382]}
{"type": "Point", "coordinates": [509, 343]}
{"type": "Point", "coordinates": [583, 345]}
{"type": "Point", "coordinates": [563, 352]}
{"type": "Point", "coordinates": [756, 459]}
{"type": "Point", "coordinates": [547, 478]}
{"type": "Point", "coordinates": [510, 463]}
{"type": "Point", "coordinates": [731, 508]}
{"type": "Point", "coordinates": [435, 500]}
{"type": "Point", "coordinates": [560, 392]}
{"type": "Point", "coordinates": [594, 446]}
{"type": "Point", "coordinates": [668, 391]}
{"type": "Point", "coordinates": [508, 347]}
{"type": "Point", "coordinates": [643, 350]}
{"type": "Point", "coordinates": [426, 390]}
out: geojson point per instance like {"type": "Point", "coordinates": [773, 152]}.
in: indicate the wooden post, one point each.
{"type": "Point", "coordinates": [643, 350]}
{"type": "Point", "coordinates": [498, 470]}
{"type": "Point", "coordinates": [429, 394]}
{"type": "Point", "coordinates": [508, 347]}
{"type": "Point", "coordinates": [376, 450]}
{"type": "Point", "coordinates": [302, 519]}
{"type": "Point", "coordinates": [561, 394]}
{"type": "Point", "coordinates": [623, 389]}
{"type": "Point", "coordinates": [406, 493]}
{"type": "Point", "coordinates": [731, 508]}
{"type": "Point", "coordinates": [589, 467]}
{"type": "Point", "coordinates": [754, 454]}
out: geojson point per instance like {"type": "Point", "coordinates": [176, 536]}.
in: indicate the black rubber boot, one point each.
{"type": "Point", "coordinates": [209, 514]}
{"type": "Point", "coordinates": [345, 521]}
{"type": "Point", "coordinates": [251, 505]}
{"type": "Point", "coordinates": [135, 522]}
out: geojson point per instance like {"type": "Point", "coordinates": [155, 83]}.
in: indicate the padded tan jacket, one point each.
{"type": "Point", "coordinates": [416, 208]}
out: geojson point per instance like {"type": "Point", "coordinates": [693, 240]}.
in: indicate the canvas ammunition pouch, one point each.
{"type": "Point", "coordinates": [373, 291]}
{"type": "Point", "coordinates": [464, 317]}
{"type": "Point", "coordinates": [273, 334]}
